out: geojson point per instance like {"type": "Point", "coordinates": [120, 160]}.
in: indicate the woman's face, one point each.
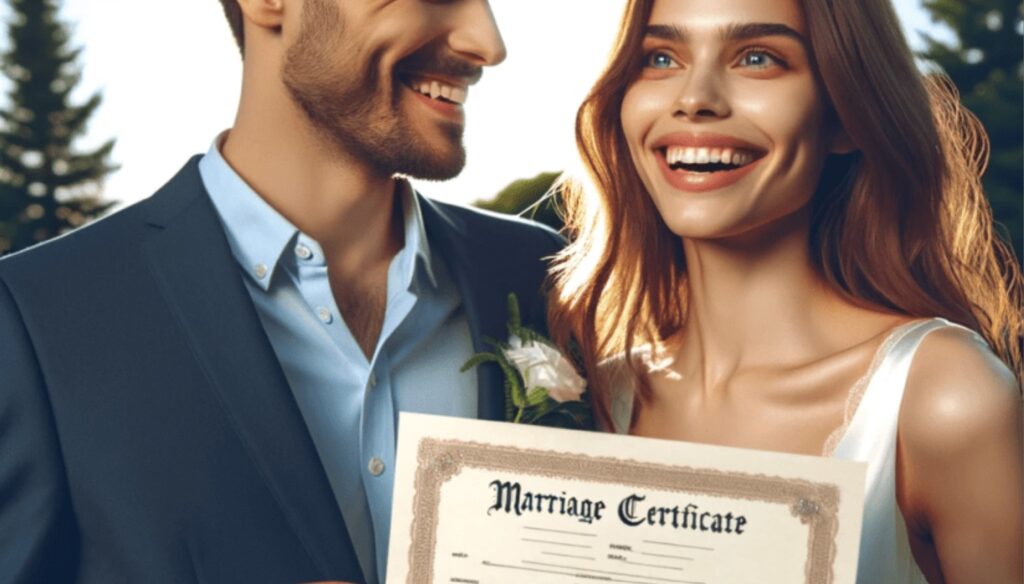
{"type": "Point", "coordinates": [725, 123]}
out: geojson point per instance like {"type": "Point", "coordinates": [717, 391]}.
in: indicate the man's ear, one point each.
{"type": "Point", "coordinates": [263, 13]}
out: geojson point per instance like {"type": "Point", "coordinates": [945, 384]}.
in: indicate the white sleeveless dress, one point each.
{"type": "Point", "coordinates": [868, 434]}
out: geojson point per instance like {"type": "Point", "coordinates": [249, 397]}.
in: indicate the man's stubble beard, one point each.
{"type": "Point", "coordinates": [345, 103]}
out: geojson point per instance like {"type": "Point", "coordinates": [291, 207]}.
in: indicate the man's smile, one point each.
{"type": "Point", "coordinates": [443, 91]}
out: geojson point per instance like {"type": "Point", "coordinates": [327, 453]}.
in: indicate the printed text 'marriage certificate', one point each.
{"type": "Point", "coordinates": [494, 503]}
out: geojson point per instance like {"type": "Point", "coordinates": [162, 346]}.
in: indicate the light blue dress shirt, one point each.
{"type": "Point", "coordinates": [351, 403]}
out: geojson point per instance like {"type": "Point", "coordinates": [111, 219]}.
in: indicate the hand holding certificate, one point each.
{"type": "Point", "coordinates": [489, 502]}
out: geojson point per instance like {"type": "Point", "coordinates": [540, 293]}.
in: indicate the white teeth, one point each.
{"type": "Point", "coordinates": [695, 155]}
{"type": "Point", "coordinates": [436, 89]}
{"type": "Point", "coordinates": [672, 154]}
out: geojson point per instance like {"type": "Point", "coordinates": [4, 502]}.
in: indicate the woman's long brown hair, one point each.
{"type": "Point", "coordinates": [901, 225]}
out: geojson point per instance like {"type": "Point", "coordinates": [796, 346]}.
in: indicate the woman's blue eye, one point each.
{"type": "Point", "coordinates": [660, 60]}
{"type": "Point", "coordinates": [759, 60]}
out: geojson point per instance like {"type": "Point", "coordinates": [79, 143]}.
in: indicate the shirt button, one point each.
{"type": "Point", "coordinates": [372, 381]}
{"type": "Point", "coordinates": [303, 252]}
{"type": "Point", "coordinates": [324, 315]}
{"type": "Point", "coordinates": [261, 270]}
{"type": "Point", "coordinates": [376, 466]}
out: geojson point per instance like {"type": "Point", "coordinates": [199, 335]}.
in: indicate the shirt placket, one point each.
{"type": "Point", "coordinates": [378, 431]}
{"type": "Point", "coordinates": [377, 420]}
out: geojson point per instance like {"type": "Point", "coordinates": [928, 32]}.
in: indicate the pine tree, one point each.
{"type": "Point", "coordinates": [987, 65]}
{"type": "Point", "coordinates": [47, 187]}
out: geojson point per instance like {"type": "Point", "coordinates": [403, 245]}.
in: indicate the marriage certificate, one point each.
{"type": "Point", "coordinates": [495, 503]}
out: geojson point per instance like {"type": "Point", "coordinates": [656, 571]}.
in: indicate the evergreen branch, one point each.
{"type": "Point", "coordinates": [77, 118]}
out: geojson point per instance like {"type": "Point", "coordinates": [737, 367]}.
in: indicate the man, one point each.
{"type": "Point", "coordinates": [205, 386]}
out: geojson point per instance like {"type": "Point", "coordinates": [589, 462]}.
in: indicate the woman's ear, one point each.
{"type": "Point", "coordinates": [263, 13]}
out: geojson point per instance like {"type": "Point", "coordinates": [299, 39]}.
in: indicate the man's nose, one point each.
{"type": "Point", "coordinates": [702, 95]}
{"type": "Point", "coordinates": [475, 35]}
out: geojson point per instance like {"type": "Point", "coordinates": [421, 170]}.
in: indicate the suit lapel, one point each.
{"type": "Point", "coordinates": [484, 304]}
{"type": "Point", "coordinates": [202, 285]}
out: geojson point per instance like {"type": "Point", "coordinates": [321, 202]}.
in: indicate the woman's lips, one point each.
{"type": "Point", "coordinates": [695, 181]}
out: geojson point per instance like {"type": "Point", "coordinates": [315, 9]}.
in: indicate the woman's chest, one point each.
{"type": "Point", "coordinates": [797, 411]}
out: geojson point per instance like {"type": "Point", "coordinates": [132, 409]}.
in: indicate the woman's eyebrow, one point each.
{"type": "Point", "coordinates": [753, 30]}
{"type": "Point", "coordinates": [666, 32]}
{"type": "Point", "coordinates": [733, 32]}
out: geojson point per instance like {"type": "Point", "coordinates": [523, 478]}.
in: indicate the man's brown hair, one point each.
{"type": "Point", "coordinates": [234, 14]}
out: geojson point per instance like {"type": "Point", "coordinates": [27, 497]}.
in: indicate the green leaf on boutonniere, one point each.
{"type": "Point", "coordinates": [541, 385]}
{"type": "Point", "coordinates": [515, 321]}
{"type": "Point", "coordinates": [477, 360]}
{"type": "Point", "coordinates": [537, 396]}
{"type": "Point", "coordinates": [510, 405]}
{"type": "Point", "coordinates": [514, 385]}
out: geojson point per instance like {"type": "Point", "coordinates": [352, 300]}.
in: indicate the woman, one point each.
{"type": "Point", "coordinates": [787, 220]}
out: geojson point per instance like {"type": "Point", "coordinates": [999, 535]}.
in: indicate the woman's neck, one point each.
{"type": "Point", "coordinates": [757, 301]}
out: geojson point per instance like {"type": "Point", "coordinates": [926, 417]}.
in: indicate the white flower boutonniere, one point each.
{"type": "Point", "coordinates": [543, 366]}
{"type": "Point", "coordinates": [542, 386]}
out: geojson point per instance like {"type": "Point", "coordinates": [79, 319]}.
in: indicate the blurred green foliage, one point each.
{"type": "Point", "coordinates": [987, 65]}
{"type": "Point", "coordinates": [46, 186]}
{"type": "Point", "coordinates": [526, 198]}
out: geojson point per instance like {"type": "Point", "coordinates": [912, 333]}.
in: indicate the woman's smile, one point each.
{"type": "Point", "coordinates": [700, 162]}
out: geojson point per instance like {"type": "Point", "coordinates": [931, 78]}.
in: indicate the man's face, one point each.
{"type": "Point", "coordinates": [385, 80]}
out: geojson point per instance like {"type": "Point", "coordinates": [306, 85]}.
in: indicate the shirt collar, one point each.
{"type": "Point", "coordinates": [259, 235]}
{"type": "Point", "coordinates": [415, 237]}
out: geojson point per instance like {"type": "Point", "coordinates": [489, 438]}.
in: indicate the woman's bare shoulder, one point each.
{"type": "Point", "coordinates": [961, 411]}
{"type": "Point", "coordinates": [956, 388]}
{"type": "Point", "coordinates": [960, 435]}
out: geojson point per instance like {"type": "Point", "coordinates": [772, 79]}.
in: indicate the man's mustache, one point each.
{"type": "Point", "coordinates": [441, 65]}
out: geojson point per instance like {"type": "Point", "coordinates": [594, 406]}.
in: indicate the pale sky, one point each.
{"type": "Point", "coordinates": [170, 74]}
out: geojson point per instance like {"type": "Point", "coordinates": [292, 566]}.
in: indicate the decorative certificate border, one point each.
{"type": "Point", "coordinates": [816, 504]}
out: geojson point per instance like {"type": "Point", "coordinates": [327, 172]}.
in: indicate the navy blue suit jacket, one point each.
{"type": "Point", "coordinates": [147, 432]}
